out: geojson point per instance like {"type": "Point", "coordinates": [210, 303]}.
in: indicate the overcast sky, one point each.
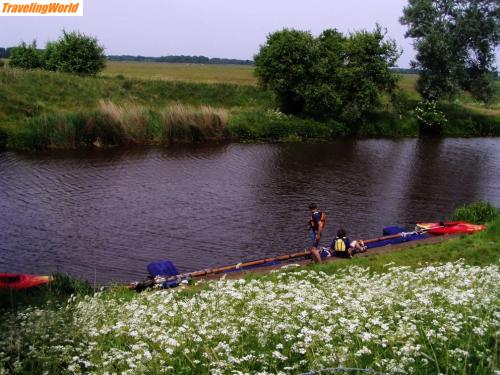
{"type": "Point", "coordinates": [213, 28]}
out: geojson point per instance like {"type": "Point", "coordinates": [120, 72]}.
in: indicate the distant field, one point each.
{"type": "Point", "coordinates": [238, 74]}
{"type": "Point", "coordinates": [407, 82]}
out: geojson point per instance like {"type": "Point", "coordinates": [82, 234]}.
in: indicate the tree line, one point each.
{"type": "Point", "coordinates": [5, 54]}
{"type": "Point", "coordinates": [180, 59]}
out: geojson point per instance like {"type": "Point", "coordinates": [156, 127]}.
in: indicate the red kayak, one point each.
{"type": "Point", "coordinates": [22, 281]}
{"type": "Point", "coordinates": [455, 227]}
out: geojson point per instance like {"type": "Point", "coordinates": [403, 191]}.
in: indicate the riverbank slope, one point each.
{"type": "Point", "coordinates": [41, 109]}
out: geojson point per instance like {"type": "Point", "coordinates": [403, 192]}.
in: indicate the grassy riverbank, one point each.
{"type": "Point", "coordinates": [427, 309]}
{"type": "Point", "coordinates": [53, 110]}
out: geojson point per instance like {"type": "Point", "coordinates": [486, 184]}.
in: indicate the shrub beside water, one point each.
{"type": "Point", "coordinates": [430, 119]}
{"type": "Point", "coordinates": [477, 213]}
{"type": "Point", "coordinates": [463, 122]}
{"type": "Point", "coordinates": [276, 126]}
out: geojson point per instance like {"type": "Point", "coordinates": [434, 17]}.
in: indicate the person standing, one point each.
{"type": "Point", "coordinates": [316, 226]}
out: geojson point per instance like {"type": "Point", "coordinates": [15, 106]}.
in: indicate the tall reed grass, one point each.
{"type": "Point", "coordinates": [131, 119]}
{"type": "Point", "coordinates": [186, 123]}
{"type": "Point", "coordinates": [115, 125]}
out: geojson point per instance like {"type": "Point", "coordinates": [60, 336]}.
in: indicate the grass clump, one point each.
{"type": "Point", "coordinates": [477, 213]}
{"type": "Point", "coordinates": [131, 120]}
{"type": "Point", "coordinates": [184, 123]}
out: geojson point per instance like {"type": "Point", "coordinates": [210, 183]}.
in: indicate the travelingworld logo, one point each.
{"type": "Point", "coordinates": [41, 8]}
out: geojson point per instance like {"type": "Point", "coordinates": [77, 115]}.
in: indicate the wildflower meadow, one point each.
{"type": "Point", "coordinates": [428, 320]}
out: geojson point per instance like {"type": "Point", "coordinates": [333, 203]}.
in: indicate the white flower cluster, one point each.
{"type": "Point", "coordinates": [428, 114]}
{"type": "Point", "coordinates": [276, 113]}
{"type": "Point", "coordinates": [436, 319]}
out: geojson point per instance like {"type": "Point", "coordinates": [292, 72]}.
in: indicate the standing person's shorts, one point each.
{"type": "Point", "coordinates": [315, 241]}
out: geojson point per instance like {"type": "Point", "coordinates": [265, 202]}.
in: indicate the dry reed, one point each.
{"type": "Point", "coordinates": [133, 119]}
{"type": "Point", "coordinates": [186, 123]}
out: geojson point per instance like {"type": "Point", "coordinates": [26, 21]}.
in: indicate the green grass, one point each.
{"type": "Point", "coordinates": [476, 213]}
{"type": "Point", "coordinates": [245, 75]}
{"type": "Point", "coordinates": [407, 83]}
{"type": "Point", "coordinates": [56, 292]}
{"type": "Point", "coordinates": [34, 104]}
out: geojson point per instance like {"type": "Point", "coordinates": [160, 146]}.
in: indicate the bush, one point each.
{"type": "Point", "coordinates": [276, 126]}
{"type": "Point", "coordinates": [64, 285]}
{"type": "Point", "coordinates": [431, 120]}
{"type": "Point", "coordinates": [26, 56]}
{"type": "Point", "coordinates": [477, 213]}
{"type": "Point", "coordinates": [463, 122]}
{"type": "Point", "coordinates": [332, 76]}
{"type": "Point", "coordinates": [2, 64]}
{"type": "Point", "coordinates": [75, 53]}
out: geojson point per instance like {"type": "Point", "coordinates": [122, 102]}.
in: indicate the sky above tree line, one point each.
{"type": "Point", "coordinates": [212, 28]}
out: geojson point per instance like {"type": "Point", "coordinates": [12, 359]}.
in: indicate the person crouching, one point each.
{"type": "Point", "coordinates": [343, 248]}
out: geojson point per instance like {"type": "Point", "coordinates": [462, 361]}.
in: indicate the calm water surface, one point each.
{"type": "Point", "coordinates": [107, 213]}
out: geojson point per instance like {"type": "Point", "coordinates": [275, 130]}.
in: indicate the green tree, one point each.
{"type": "Point", "coordinates": [25, 56]}
{"type": "Point", "coordinates": [75, 53]}
{"type": "Point", "coordinates": [365, 73]}
{"type": "Point", "coordinates": [455, 42]}
{"type": "Point", "coordinates": [285, 65]}
{"type": "Point", "coordinates": [332, 75]}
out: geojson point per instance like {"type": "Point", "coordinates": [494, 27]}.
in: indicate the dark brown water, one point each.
{"type": "Point", "coordinates": [106, 214]}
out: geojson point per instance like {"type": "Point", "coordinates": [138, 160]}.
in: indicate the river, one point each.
{"type": "Point", "coordinates": [105, 214]}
